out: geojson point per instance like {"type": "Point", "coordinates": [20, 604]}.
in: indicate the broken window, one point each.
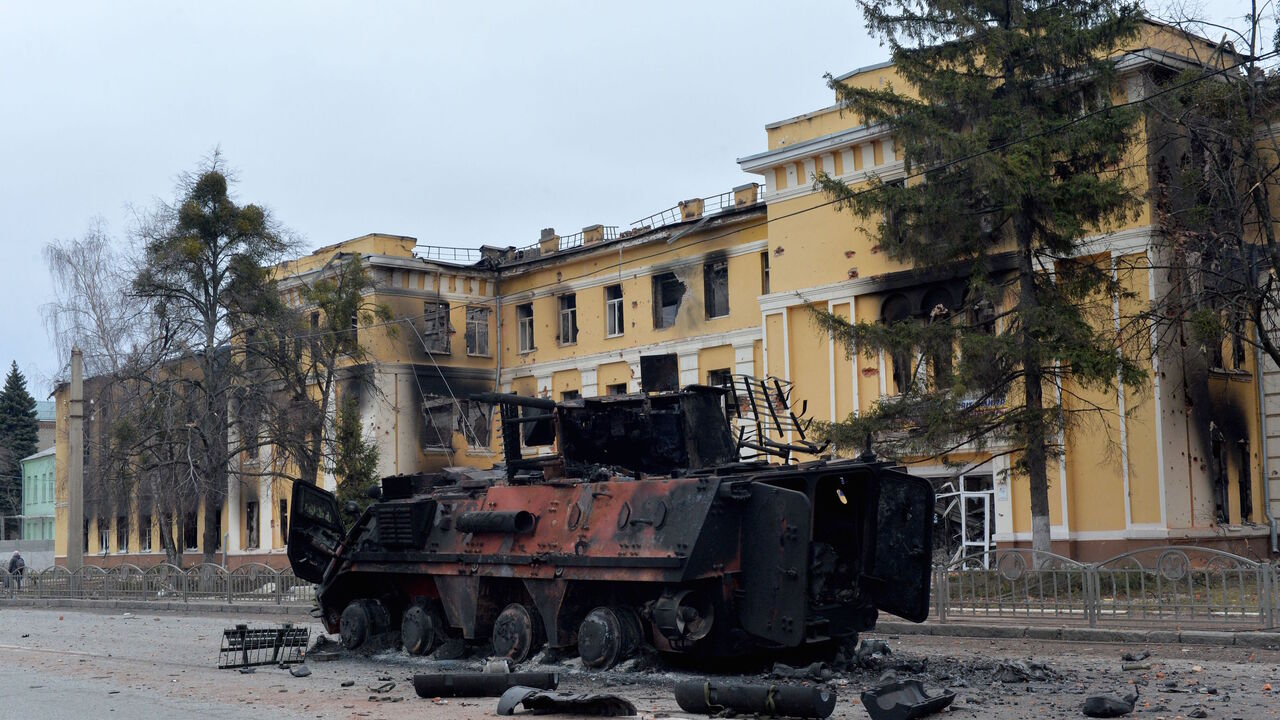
{"type": "Point", "coordinates": [477, 331]}
{"type": "Point", "coordinates": [1244, 480]}
{"type": "Point", "coordinates": [891, 233]}
{"type": "Point", "coordinates": [436, 331]}
{"type": "Point", "coordinates": [474, 423]}
{"type": "Point", "coordinates": [616, 389]}
{"type": "Point", "coordinates": [668, 291]}
{"type": "Point", "coordinates": [569, 395]}
{"type": "Point", "coordinates": [251, 525]}
{"type": "Point", "coordinates": [764, 273]}
{"type": "Point", "coordinates": [1218, 449]}
{"type": "Point", "coordinates": [715, 281]}
{"type": "Point", "coordinates": [568, 319]}
{"type": "Point", "coordinates": [284, 522]}
{"type": "Point", "coordinates": [613, 310]}
{"type": "Point", "coordinates": [438, 422]}
{"type": "Point", "coordinates": [122, 533]}
{"type": "Point", "coordinates": [720, 377]}
{"type": "Point", "coordinates": [190, 532]}
{"type": "Point", "coordinates": [144, 533]}
{"type": "Point", "coordinates": [524, 323]}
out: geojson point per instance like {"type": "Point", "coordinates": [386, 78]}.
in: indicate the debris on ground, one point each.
{"type": "Point", "coordinates": [904, 700]}
{"type": "Point", "coordinates": [541, 702]}
{"type": "Point", "coordinates": [480, 684]}
{"type": "Point", "coordinates": [244, 646]}
{"type": "Point", "coordinates": [713, 697]}
{"type": "Point", "coordinates": [1021, 672]}
{"type": "Point", "coordinates": [1109, 706]}
{"type": "Point", "coordinates": [1135, 666]}
{"type": "Point", "coordinates": [868, 650]}
{"type": "Point", "coordinates": [1135, 657]}
{"type": "Point", "coordinates": [348, 683]}
{"type": "Point", "coordinates": [817, 671]}
{"type": "Point", "coordinates": [385, 687]}
{"type": "Point", "coordinates": [300, 671]}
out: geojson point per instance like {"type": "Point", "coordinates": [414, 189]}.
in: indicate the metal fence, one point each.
{"type": "Point", "coordinates": [251, 583]}
{"type": "Point", "coordinates": [1174, 586]}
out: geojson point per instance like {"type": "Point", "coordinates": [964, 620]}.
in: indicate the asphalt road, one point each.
{"type": "Point", "coordinates": [82, 664]}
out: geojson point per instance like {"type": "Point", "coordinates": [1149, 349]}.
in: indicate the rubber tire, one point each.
{"type": "Point", "coordinates": [421, 629]}
{"type": "Point", "coordinates": [608, 635]}
{"type": "Point", "coordinates": [354, 625]}
{"type": "Point", "coordinates": [517, 632]}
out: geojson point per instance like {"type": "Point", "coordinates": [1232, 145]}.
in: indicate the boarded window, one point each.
{"type": "Point", "coordinates": [478, 331]}
{"type": "Point", "coordinates": [436, 327]}
{"type": "Point", "coordinates": [568, 319]}
{"type": "Point", "coordinates": [715, 279]}
{"type": "Point", "coordinates": [668, 291]}
{"type": "Point", "coordinates": [437, 423]}
{"type": "Point", "coordinates": [524, 322]}
{"type": "Point", "coordinates": [613, 310]}
{"type": "Point", "coordinates": [474, 423]}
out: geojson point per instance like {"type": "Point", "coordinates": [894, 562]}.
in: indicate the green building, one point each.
{"type": "Point", "coordinates": [37, 496]}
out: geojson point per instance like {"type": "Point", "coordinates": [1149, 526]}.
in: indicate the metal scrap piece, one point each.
{"type": "Point", "coordinates": [903, 700]}
{"type": "Point", "coordinates": [542, 702]}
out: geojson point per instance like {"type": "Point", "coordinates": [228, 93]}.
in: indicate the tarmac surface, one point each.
{"type": "Point", "coordinates": [64, 663]}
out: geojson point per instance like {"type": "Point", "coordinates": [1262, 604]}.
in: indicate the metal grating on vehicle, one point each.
{"type": "Point", "coordinates": [395, 525]}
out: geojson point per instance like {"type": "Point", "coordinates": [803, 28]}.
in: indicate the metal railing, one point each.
{"type": "Point", "coordinates": [712, 205]}
{"type": "Point", "coordinates": [448, 254]}
{"type": "Point", "coordinates": [253, 583]}
{"type": "Point", "coordinates": [1171, 586]}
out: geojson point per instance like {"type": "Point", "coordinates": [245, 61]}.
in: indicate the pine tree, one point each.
{"type": "Point", "coordinates": [1007, 119]}
{"type": "Point", "coordinates": [356, 464]}
{"type": "Point", "coordinates": [19, 433]}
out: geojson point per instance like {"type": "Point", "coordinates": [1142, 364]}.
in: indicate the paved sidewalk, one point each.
{"type": "Point", "coordinates": [1011, 630]}
{"type": "Point", "coordinates": [193, 608]}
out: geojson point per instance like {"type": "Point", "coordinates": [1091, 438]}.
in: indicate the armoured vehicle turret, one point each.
{"type": "Point", "coordinates": [626, 520]}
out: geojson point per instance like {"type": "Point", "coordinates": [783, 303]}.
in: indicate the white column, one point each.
{"type": "Point", "coordinates": [590, 383]}
{"type": "Point", "coordinates": [688, 363]}
{"type": "Point", "coordinates": [266, 515]}
{"type": "Point", "coordinates": [231, 532]}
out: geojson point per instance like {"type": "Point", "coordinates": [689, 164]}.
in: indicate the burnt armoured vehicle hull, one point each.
{"type": "Point", "coordinates": [709, 558]}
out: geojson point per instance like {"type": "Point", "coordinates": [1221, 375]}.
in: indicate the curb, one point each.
{"type": "Point", "coordinates": [1241, 638]}
{"type": "Point", "coordinates": [189, 608]}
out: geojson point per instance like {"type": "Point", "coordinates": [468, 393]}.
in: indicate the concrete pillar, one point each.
{"type": "Point", "coordinates": [75, 464]}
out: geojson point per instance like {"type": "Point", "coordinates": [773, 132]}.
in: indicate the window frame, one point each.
{"type": "Point", "coordinates": [436, 328]}
{"type": "Point", "coordinates": [144, 532]}
{"type": "Point", "coordinates": [713, 271]}
{"type": "Point", "coordinates": [524, 327]}
{"type": "Point", "coordinates": [660, 283]}
{"type": "Point", "coordinates": [613, 312]}
{"type": "Point", "coordinates": [568, 310]}
{"type": "Point", "coordinates": [477, 319]}
{"type": "Point", "coordinates": [444, 432]}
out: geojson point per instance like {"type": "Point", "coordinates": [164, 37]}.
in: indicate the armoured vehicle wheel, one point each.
{"type": "Point", "coordinates": [517, 632]}
{"type": "Point", "coordinates": [362, 620]}
{"type": "Point", "coordinates": [421, 629]}
{"type": "Point", "coordinates": [608, 635]}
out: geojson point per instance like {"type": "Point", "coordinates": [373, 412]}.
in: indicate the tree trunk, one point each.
{"type": "Point", "coordinates": [171, 553]}
{"type": "Point", "coordinates": [1033, 429]}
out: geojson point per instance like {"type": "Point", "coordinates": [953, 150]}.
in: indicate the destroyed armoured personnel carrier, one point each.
{"type": "Point", "coordinates": [645, 527]}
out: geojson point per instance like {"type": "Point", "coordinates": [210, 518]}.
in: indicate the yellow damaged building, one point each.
{"type": "Point", "coordinates": [725, 285]}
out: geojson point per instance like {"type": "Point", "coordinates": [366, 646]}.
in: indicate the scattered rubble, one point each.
{"type": "Point", "coordinates": [1109, 706]}
{"type": "Point", "coordinates": [542, 702]}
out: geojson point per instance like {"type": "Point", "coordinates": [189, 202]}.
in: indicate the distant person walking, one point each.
{"type": "Point", "coordinates": [17, 568]}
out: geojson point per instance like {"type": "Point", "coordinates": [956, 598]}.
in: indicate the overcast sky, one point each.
{"type": "Point", "coordinates": [460, 124]}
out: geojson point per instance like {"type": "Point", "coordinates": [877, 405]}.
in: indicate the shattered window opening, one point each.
{"type": "Point", "coordinates": [668, 292]}
{"type": "Point", "coordinates": [144, 532]}
{"type": "Point", "coordinates": [524, 321]}
{"type": "Point", "coordinates": [190, 532]}
{"type": "Point", "coordinates": [474, 424]}
{"type": "Point", "coordinates": [122, 533]}
{"type": "Point", "coordinates": [570, 395]}
{"type": "Point", "coordinates": [616, 389]}
{"type": "Point", "coordinates": [715, 279]}
{"type": "Point", "coordinates": [568, 334]}
{"type": "Point", "coordinates": [613, 310]}
{"type": "Point", "coordinates": [251, 525]}
{"type": "Point", "coordinates": [1244, 482]}
{"type": "Point", "coordinates": [436, 327]}
{"type": "Point", "coordinates": [477, 338]}
{"type": "Point", "coordinates": [438, 423]}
